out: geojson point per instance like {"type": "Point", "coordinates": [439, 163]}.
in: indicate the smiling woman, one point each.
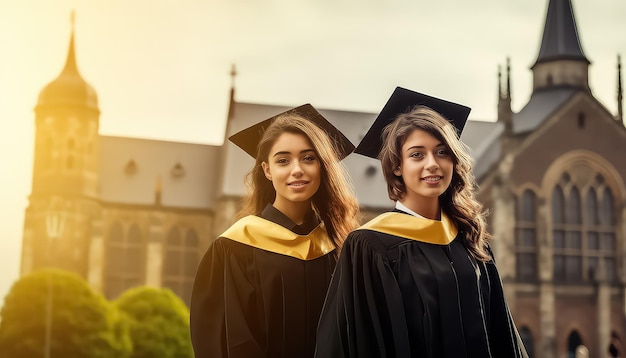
{"type": "Point", "coordinates": [419, 281]}
{"type": "Point", "coordinates": [426, 168]}
{"type": "Point", "coordinates": [260, 287]}
{"type": "Point", "coordinates": [294, 170]}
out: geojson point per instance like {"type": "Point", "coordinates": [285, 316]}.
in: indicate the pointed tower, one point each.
{"type": "Point", "coordinates": [505, 113]}
{"type": "Point", "coordinates": [227, 206]}
{"type": "Point", "coordinates": [64, 194]}
{"type": "Point", "coordinates": [620, 91]}
{"type": "Point", "coordinates": [67, 121]}
{"type": "Point", "coordinates": [561, 61]}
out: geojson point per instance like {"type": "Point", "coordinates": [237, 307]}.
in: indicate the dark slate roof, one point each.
{"type": "Point", "coordinates": [540, 106]}
{"type": "Point", "coordinates": [560, 34]}
{"type": "Point", "coordinates": [482, 139]}
{"type": "Point", "coordinates": [186, 172]}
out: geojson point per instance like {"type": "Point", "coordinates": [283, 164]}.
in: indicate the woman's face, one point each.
{"type": "Point", "coordinates": [294, 168]}
{"type": "Point", "coordinates": [426, 168]}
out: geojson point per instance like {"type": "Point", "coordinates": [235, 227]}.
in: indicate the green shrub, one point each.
{"type": "Point", "coordinates": [159, 323]}
{"type": "Point", "coordinates": [82, 322]}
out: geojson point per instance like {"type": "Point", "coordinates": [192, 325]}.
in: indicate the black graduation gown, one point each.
{"type": "Point", "coordinates": [393, 296]}
{"type": "Point", "coordinates": [248, 302]}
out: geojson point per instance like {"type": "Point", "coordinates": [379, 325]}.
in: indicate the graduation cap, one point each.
{"type": "Point", "coordinates": [401, 101]}
{"type": "Point", "coordinates": [249, 138]}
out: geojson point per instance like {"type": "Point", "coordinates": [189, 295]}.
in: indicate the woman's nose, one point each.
{"type": "Point", "coordinates": [297, 168]}
{"type": "Point", "coordinates": [431, 163]}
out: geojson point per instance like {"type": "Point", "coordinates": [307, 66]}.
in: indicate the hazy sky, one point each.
{"type": "Point", "coordinates": [161, 68]}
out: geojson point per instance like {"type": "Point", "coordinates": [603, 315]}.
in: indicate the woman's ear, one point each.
{"type": "Point", "coordinates": [266, 170]}
{"type": "Point", "coordinates": [397, 172]}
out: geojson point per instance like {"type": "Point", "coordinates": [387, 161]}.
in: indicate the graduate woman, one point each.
{"type": "Point", "coordinates": [419, 281]}
{"type": "Point", "coordinates": [260, 287]}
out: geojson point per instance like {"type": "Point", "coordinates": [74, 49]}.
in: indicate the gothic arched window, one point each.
{"type": "Point", "coordinates": [558, 233]}
{"type": "Point", "coordinates": [526, 236]}
{"type": "Point", "coordinates": [125, 260]}
{"type": "Point", "coordinates": [181, 261]}
{"type": "Point", "coordinates": [591, 212]}
{"type": "Point", "coordinates": [134, 251]}
{"type": "Point", "coordinates": [606, 208]}
{"type": "Point", "coordinates": [584, 232]}
{"type": "Point", "coordinates": [573, 207]}
{"type": "Point", "coordinates": [601, 234]}
{"type": "Point", "coordinates": [567, 232]}
{"type": "Point", "coordinates": [558, 205]}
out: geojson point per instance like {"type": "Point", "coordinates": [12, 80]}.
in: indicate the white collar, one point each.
{"type": "Point", "coordinates": [402, 207]}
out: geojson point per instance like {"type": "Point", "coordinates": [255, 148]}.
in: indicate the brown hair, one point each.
{"type": "Point", "coordinates": [334, 201]}
{"type": "Point", "coordinates": [458, 201]}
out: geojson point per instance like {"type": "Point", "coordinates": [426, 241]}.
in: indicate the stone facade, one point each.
{"type": "Point", "coordinates": [552, 176]}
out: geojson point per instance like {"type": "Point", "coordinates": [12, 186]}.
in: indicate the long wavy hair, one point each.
{"type": "Point", "coordinates": [334, 202]}
{"type": "Point", "coordinates": [458, 201]}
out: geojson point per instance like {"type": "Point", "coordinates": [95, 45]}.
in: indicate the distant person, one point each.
{"type": "Point", "coordinates": [260, 287]}
{"type": "Point", "coordinates": [419, 281]}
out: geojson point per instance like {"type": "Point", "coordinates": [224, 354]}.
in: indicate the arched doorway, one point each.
{"type": "Point", "coordinates": [616, 348]}
{"type": "Point", "coordinates": [573, 341]}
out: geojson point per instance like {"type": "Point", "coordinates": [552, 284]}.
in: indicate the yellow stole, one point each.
{"type": "Point", "coordinates": [414, 228]}
{"type": "Point", "coordinates": [266, 235]}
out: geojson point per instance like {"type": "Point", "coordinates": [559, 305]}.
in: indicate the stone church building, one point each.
{"type": "Point", "coordinates": [123, 211]}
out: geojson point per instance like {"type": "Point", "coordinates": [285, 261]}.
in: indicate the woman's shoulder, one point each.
{"type": "Point", "coordinates": [371, 230]}
{"type": "Point", "coordinates": [371, 240]}
{"type": "Point", "coordinates": [244, 223]}
{"type": "Point", "coordinates": [224, 246]}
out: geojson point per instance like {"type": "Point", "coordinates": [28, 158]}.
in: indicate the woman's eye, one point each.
{"type": "Point", "coordinates": [442, 152]}
{"type": "Point", "coordinates": [417, 155]}
{"type": "Point", "coordinates": [308, 158]}
{"type": "Point", "coordinates": [282, 161]}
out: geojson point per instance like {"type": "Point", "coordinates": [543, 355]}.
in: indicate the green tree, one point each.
{"type": "Point", "coordinates": [81, 322]}
{"type": "Point", "coordinates": [159, 323]}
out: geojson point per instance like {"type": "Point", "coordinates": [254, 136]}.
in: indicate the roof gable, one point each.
{"type": "Point", "coordinates": [581, 125]}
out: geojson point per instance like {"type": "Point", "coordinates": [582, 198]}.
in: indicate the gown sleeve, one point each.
{"type": "Point", "coordinates": [221, 293]}
{"type": "Point", "coordinates": [363, 315]}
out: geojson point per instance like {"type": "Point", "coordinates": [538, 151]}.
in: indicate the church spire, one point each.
{"type": "Point", "coordinates": [70, 63]}
{"type": "Point", "coordinates": [69, 88]}
{"type": "Point", "coordinates": [506, 94]}
{"type": "Point", "coordinates": [560, 35]}
{"type": "Point", "coordinates": [561, 61]}
{"type": "Point", "coordinates": [233, 74]}
{"type": "Point", "coordinates": [505, 114]}
{"type": "Point", "coordinates": [158, 191]}
{"type": "Point", "coordinates": [231, 102]}
{"type": "Point", "coordinates": [499, 83]}
{"type": "Point", "coordinates": [620, 108]}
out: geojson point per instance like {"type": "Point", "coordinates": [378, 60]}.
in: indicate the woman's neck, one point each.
{"type": "Point", "coordinates": [427, 208]}
{"type": "Point", "coordinates": [296, 211]}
